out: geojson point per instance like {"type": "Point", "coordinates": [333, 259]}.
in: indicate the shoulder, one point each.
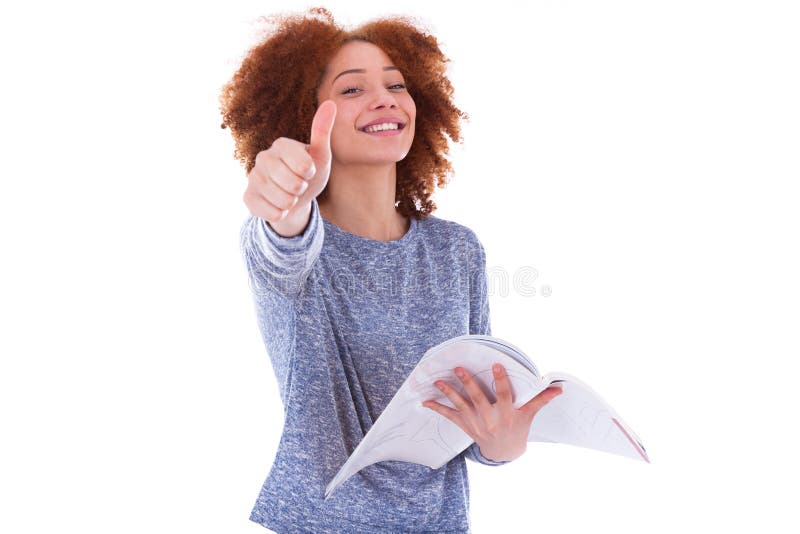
{"type": "Point", "coordinates": [452, 235]}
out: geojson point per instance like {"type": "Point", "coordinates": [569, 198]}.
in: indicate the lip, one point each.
{"type": "Point", "coordinates": [385, 133]}
{"type": "Point", "coordinates": [400, 124]}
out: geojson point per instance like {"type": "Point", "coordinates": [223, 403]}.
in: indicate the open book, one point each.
{"type": "Point", "coordinates": [407, 431]}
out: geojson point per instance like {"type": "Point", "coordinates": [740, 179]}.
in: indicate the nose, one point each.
{"type": "Point", "coordinates": [383, 99]}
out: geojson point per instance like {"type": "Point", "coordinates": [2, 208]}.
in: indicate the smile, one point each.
{"type": "Point", "coordinates": [383, 130]}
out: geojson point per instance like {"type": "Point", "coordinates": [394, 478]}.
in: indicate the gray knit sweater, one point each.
{"type": "Point", "coordinates": [344, 320]}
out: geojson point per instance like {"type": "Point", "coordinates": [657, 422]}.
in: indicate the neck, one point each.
{"type": "Point", "coordinates": [360, 200]}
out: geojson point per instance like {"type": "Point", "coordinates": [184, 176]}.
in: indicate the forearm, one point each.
{"type": "Point", "coordinates": [281, 263]}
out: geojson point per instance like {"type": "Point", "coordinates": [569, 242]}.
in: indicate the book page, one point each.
{"type": "Point", "coordinates": [407, 431]}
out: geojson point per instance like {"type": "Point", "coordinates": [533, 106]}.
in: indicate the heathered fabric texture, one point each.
{"type": "Point", "coordinates": [344, 320]}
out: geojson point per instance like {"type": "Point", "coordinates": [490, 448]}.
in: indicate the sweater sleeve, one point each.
{"type": "Point", "coordinates": [280, 264]}
{"type": "Point", "coordinates": [479, 323]}
{"type": "Point", "coordinates": [479, 317]}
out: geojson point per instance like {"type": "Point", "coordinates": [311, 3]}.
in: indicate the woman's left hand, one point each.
{"type": "Point", "coordinates": [500, 430]}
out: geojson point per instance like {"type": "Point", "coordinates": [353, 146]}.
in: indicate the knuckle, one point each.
{"type": "Point", "coordinates": [307, 168]}
{"type": "Point", "coordinates": [279, 203]}
{"type": "Point", "coordinates": [274, 214]}
{"type": "Point", "coordinates": [261, 157]}
{"type": "Point", "coordinates": [253, 174]}
{"type": "Point", "coordinates": [483, 434]}
{"type": "Point", "coordinates": [300, 187]}
{"type": "Point", "coordinates": [249, 196]}
{"type": "Point", "coordinates": [276, 147]}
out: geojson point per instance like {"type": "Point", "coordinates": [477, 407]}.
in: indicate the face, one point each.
{"type": "Point", "coordinates": [374, 93]}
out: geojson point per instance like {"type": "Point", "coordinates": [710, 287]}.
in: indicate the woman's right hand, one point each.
{"type": "Point", "coordinates": [288, 175]}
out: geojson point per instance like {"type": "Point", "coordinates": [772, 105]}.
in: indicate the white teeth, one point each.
{"type": "Point", "coordinates": [381, 127]}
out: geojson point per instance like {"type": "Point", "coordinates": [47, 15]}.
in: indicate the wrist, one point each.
{"type": "Point", "coordinates": [295, 222]}
{"type": "Point", "coordinates": [499, 458]}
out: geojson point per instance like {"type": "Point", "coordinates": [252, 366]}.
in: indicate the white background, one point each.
{"type": "Point", "coordinates": [641, 156]}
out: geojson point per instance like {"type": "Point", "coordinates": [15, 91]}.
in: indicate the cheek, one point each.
{"type": "Point", "coordinates": [412, 116]}
{"type": "Point", "coordinates": [344, 131]}
{"type": "Point", "coordinates": [411, 107]}
{"type": "Point", "coordinates": [346, 120]}
{"type": "Point", "coordinates": [343, 128]}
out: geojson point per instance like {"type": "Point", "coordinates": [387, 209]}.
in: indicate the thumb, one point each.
{"type": "Point", "coordinates": [320, 144]}
{"type": "Point", "coordinates": [541, 399]}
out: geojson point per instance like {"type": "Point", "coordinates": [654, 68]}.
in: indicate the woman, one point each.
{"type": "Point", "coordinates": [353, 278]}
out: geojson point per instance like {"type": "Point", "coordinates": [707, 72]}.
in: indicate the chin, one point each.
{"type": "Point", "coordinates": [376, 158]}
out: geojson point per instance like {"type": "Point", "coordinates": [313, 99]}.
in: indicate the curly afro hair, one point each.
{"type": "Point", "coordinates": [273, 94]}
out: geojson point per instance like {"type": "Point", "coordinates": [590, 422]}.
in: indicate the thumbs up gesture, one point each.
{"type": "Point", "coordinates": [288, 175]}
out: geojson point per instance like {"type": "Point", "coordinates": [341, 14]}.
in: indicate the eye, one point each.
{"type": "Point", "coordinates": [347, 91]}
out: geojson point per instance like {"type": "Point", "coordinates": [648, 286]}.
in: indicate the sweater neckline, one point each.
{"type": "Point", "coordinates": [407, 237]}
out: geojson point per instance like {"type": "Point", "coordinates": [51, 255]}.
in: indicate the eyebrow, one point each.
{"type": "Point", "coordinates": [361, 71]}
